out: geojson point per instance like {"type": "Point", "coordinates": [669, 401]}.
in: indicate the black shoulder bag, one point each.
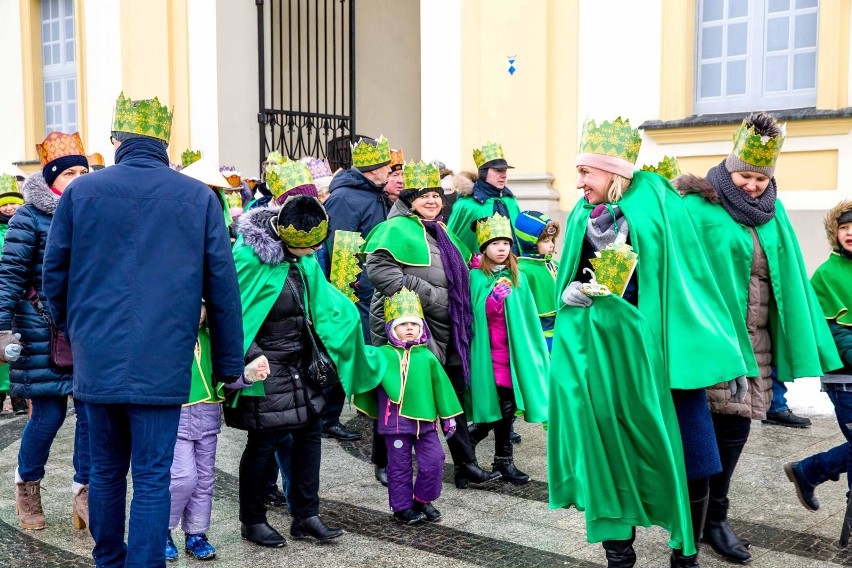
{"type": "Point", "coordinates": [322, 372]}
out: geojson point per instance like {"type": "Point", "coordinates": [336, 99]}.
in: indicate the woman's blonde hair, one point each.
{"type": "Point", "coordinates": [617, 188]}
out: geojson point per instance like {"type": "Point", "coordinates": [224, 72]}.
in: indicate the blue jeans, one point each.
{"type": "Point", "coordinates": [47, 417]}
{"type": "Point", "coordinates": [143, 436]}
{"type": "Point", "coordinates": [821, 467]}
{"type": "Point", "coordinates": [779, 397]}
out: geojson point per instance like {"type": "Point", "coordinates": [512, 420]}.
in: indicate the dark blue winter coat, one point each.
{"type": "Point", "coordinates": [132, 249]}
{"type": "Point", "coordinates": [355, 204]}
{"type": "Point", "coordinates": [20, 269]}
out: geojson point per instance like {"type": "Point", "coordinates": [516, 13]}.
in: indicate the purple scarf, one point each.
{"type": "Point", "coordinates": [461, 314]}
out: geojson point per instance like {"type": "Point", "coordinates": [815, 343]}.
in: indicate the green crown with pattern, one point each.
{"type": "Point", "coordinates": [8, 184]}
{"type": "Point", "coordinates": [366, 153]}
{"type": "Point", "coordinates": [145, 117]}
{"type": "Point", "coordinates": [420, 175]}
{"type": "Point", "coordinates": [281, 178]}
{"type": "Point", "coordinates": [668, 168]}
{"type": "Point", "coordinates": [757, 150]}
{"type": "Point", "coordinates": [494, 227]}
{"type": "Point", "coordinates": [616, 138]}
{"type": "Point", "coordinates": [298, 238]}
{"type": "Point", "coordinates": [489, 151]}
{"type": "Point", "coordinates": [403, 304]}
{"type": "Point", "coordinates": [189, 157]}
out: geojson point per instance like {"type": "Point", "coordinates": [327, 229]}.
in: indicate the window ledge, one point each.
{"type": "Point", "coordinates": [717, 127]}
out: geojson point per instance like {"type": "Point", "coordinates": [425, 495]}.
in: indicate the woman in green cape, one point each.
{"type": "Point", "coordinates": [614, 437]}
{"type": "Point", "coordinates": [756, 261]}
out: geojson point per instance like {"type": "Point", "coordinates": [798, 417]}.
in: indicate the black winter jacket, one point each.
{"type": "Point", "coordinates": [20, 269]}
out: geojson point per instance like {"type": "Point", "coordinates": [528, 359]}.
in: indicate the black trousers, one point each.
{"type": "Point", "coordinates": [731, 436]}
{"type": "Point", "coordinates": [258, 459]}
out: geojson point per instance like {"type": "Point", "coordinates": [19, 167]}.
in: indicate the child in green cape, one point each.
{"type": "Point", "coordinates": [537, 234]}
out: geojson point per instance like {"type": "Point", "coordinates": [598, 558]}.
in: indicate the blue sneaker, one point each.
{"type": "Point", "coordinates": [197, 545]}
{"type": "Point", "coordinates": [171, 549]}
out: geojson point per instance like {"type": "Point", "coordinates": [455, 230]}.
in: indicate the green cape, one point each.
{"type": "Point", "coordinates": [832, 283]}
{"type": "Point", "coordinates": [542, 283]}
{"type": "Point", "coordinates": [426, 393]}
{"type": "Point", "coordinates": [335, 317]}
{"type": "Point", "coordinates": [613, 442]}
{"type": "Point", "coordinates": [404, 238]}
{"type": "Point", "coordinates": [201, 387]}
{"type": "Point", "coordinates": [802, 345]}
{"type": "Point", "coordinates": [528, 355]}
{"type": "Point", "coordinates": [467, 210]}
{"type": "Point", "coordinates": [681, 303]}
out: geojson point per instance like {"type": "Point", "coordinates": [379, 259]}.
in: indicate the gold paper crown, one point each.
{"type": "Point", "coordinates": [95, 159]}
{"type": "Point", "coordinates": [345, 267]}
{"type": "Point", "coordinates": [298, 238]}
{"type": "Point", "coordinates": [494, 227]}
{"type": "Point", "coordinates": [145, 117]}
{"type": "Point", "coordinates": [366, 153]}
{"type": "Point", "coordinates": [281, 178]}
{"type": "Point", "coordinates": [420, 175]}
{"type": "Point", "coordinates": [490, 151]}
{"type": "Point", "coordinates": [189, 157]}
{"type": "Point", "coordinates": [668, 168]}
{"type": "Point", "coordinates": [9, 191]}
{"type": "Point", "coordinates": [757, 150]}
{"type": "Point", "coordinates": [616, 138]}
{"type": "Point", "coordinates": [403, 304]}
{"type": "Point", "coordinates": [59, 144]}
{"type": "Point", "coordinates": [397, 159]}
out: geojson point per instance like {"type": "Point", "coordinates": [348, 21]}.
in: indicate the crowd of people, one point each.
{"type": "Point", "coordinates": [167, 299]}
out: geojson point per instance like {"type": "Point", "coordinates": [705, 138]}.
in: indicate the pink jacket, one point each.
{"type": "Point", "coordinates": [499, 336]}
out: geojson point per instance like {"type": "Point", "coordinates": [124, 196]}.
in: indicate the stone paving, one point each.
{"type": "Point", "coordinates": [499, 526]}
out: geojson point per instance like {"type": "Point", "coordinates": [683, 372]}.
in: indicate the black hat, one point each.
{"type": "Point", "coordinates": [302, 222]}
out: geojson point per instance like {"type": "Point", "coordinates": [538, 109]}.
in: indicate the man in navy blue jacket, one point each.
{"type": "Point", "coordinates": [130, 254]}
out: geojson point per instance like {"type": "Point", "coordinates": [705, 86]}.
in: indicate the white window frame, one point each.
{"type": "Point", "coordinates": [755, 97]}
{"type": "Point", "coordinates": [64, 72]}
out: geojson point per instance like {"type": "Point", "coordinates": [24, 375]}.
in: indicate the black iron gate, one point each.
{"type": "Point", "coordinates": [306, 65]}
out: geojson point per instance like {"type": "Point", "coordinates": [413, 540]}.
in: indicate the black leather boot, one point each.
{"type": "Point", "coordinates": [472, 473]}
{"type": "Point", "coordinates": [508, 472]}
{"type": "Point", "coordinates": [313, 527]}
{"type": "Point", "coordinates": [620, 553]}
{"type": "Point", "coordinates": [721, 538]}
{"type": "Point", "coordinates": [698, 513]}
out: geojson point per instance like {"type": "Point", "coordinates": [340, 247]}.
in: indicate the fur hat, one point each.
{"type": "Point", "coordinates": [837, 215]}
{"type": "Point", "coordinates": [302, 222]}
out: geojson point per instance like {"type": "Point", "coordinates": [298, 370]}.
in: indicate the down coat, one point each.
{"type": "Point", "coordinates": [20, 269]}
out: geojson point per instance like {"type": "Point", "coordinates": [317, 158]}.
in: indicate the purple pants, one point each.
{"type": "Point", "coordinates": [193, 468]}
{"type": "Point", "coordinates": [430, 469]}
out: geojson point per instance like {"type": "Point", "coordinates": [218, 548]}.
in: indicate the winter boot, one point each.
{"type": "Point", "coordinates": [514, 437]}
{"type": "Point", "coordinates": [472, 473]}
{"type": "Point", "coordinates": [80, 508]}
{"type": "Point", "coordinates": [620, 553]}
{"type": "Point", "coordinates": [698, 512]}
{"type": "Point", "coordinates": [508, 472]}
{"type": "Point", "coordinates": [19, 406]}
{"type": "Point", "coordinates": [28, 504]}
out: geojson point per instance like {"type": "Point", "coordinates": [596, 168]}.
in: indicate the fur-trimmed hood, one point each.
{"type": "Point", "coordinates": [254, 226]}
{"type": "Point", "coordinates": [37, 193]}
{"type": "Point", "coordinates": [461, 183]}
{"type": "Point", "coordinates": [691, 184]}
{"type": "Point", "coordinates": [831, 223]}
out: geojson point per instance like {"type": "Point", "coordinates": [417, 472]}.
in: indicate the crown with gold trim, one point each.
{"type": "Point", "coordinates": [495, 227]}
{"type": "Point", "coordinates": [189, 157]}
{"type": "Point", "coordinates": [302, 222]}
{"type": "Point", "coordinates": [371, 153]}
{"type": "Point", "coordinates": [668, 168]}
{"type": "Point", "coordinates": [59, 144]}
{"type": "Point", "coordinates": [9, 190]}
{"type": "Point", "coordinates": [489, 152]}
{"type": "Point", "coordinates": [146, 117]}
{"type": "Point", "coordinates": [420, 175]}
{"type": "Point", "coordinates": [403, 304]}
{"type": "Point", "coordinates": [757, 150]}
{"type": "Point", "coordinates": [397, 159]}
{"type": "Point", "coordinates": [616, 138]}
{"type": "Point", "coordinates": [281, 178]}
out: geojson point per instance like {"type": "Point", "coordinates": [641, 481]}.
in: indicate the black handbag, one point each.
{"type": "Point", "coordinates": [321, 372]}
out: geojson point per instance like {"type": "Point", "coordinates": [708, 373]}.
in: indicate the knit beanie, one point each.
{"type": "Point", "coordinates": [55, 167]}
{"type": "Point", "coordinates": [845, 217]}
{"type": "Point", "coordinates": [530, 226]}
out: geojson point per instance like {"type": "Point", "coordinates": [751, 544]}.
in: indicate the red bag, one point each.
{"type": "Point", "coordinates": [60, 350]}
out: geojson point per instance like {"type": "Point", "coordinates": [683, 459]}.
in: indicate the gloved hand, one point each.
{"type": "Point", "coordinates": [573, 296]}
{"type": "Point", "coordinates": [257, 370]}
{"type": "Point", "coordinates": [739, 388]}
{"type": "Point", "coordinates": [449, 427]}
{"type": "Point", "coordinates": [10, 346]}
{"type": "Point", "coordinates": [500, 291]}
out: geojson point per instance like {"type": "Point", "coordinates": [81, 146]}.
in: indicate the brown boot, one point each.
{"type": "Point", "coordinates": [80, 508]}
{"type": "Point", "coordinates": [28, 505]}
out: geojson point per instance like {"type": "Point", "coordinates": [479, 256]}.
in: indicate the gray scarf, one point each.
{"type": "Point", "coordinates": [606, 226]}
{"type": "Point", "coordinates": [744, 209]}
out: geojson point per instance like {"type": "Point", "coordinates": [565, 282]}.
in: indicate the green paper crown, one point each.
{"type": "Point", "coordinates": [189, 157]}
{"type": "Point", "coordinates": [494, 227]}
{"type": "Point", "coordinates": [614, 266]}
{"type": "Point", "coordinates": [145, 117]}
{"type": "Point", "coordinates": [281, 178]}
{"type": "Point", "coordinates": [8, 184]}
{"type": "Point", "coordinates": [757, 150]}
{"type": "Point", "coordinates": [668, 168]}
{"type": "Point", "coordinates": [616, 138]}
{"type": "Point", "coordinates": [420, 175]}
{"type": "Point", "coordinates": [297, 238]}
{"type": "Point", "coordinates": [344, 262]}
{"type": "Point", "coordinates": [366, 154]}
{"type": "Point", "coordinates": [276, 157]}
{"type": "Point", "coordinates": [403, 304]}
{"type": "Point", "coordinates": [490, 151]}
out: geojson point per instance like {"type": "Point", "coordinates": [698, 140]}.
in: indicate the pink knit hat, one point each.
{"type": "Point", "coordinates": [612, 164]}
